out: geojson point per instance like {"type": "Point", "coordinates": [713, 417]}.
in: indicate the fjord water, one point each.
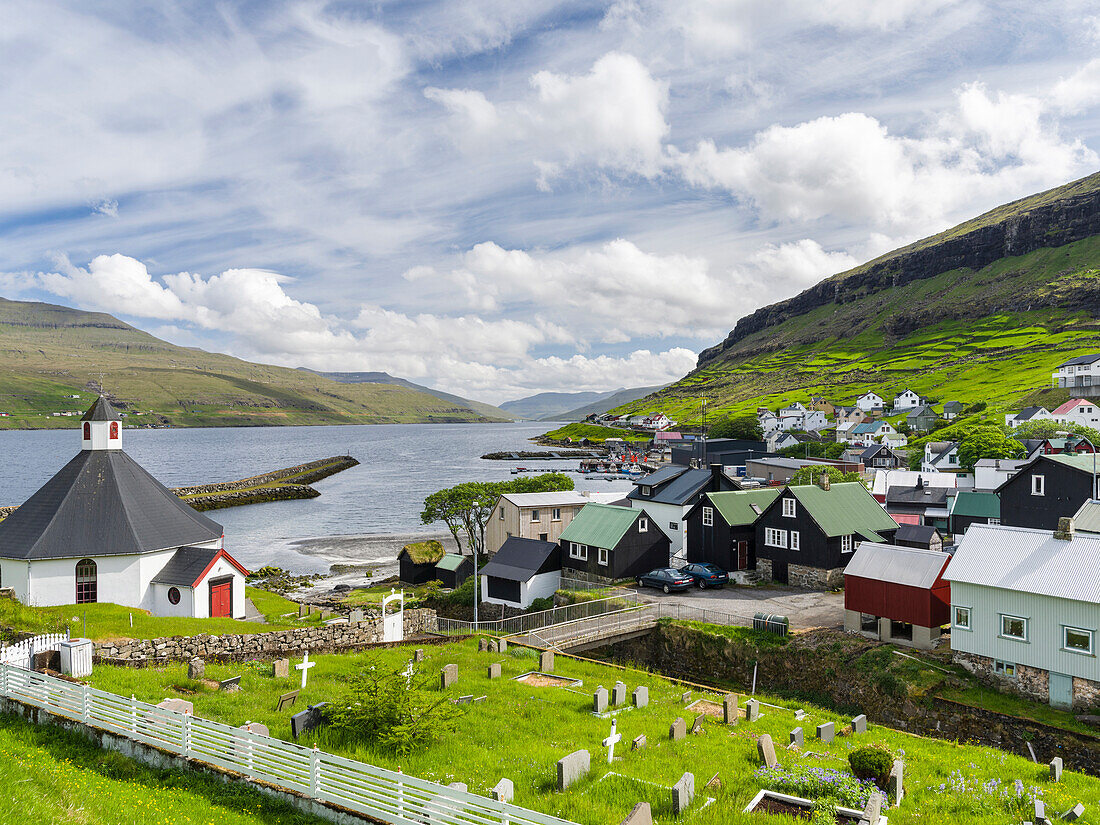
{"type": "Point", "coordinates": [399, 465]}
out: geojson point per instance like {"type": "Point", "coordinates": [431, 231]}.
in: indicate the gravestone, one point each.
{"type": "Point", "coordinates": [641, 696]}
{"type": "Point", "coordinates": [1056, 769]}
{"type": "Point", "coordinates": [826, 731]}
{"type": "Point", "coordinates": [493, 646]}
{"type": "Point", "coordinates": [678, 730]}
{"type": "Point", "coordinates": [287, 700]}
{"type": "Point", "coordinates": [356, 616]}
{"type": "Point", "coordinates": [895, 785]}
{"type": "Point", "coordinates": [178, 705]}
{"type": "Point", "coordinates": [872, 811]}
{"type": "Point", "coordinates": [303, 611]}
{"type": "Point", "coordinates": [713, 782]}
{"type": "Point", "coordinates": [697, 725]}
{"type": "Point", "coordinates": [47, 660]}
{"type": "Point", "coordinates": [752, 710]}
{"type": "Point", "coordinates": [418, 655]}
{"type": "Point", "coordinates": [682, 793]}
{"type": "Point", "coordinates": [1074, 813]}
{"type": "Point", "coordinates": [618, 694]}
{"type": "Point", "coordinates": [641, 814]}
{"type": "Point", "coordinates": [280, 668]}
{"type": "Point", "coordinates": [685, 697]}
{"type": "Point", "coordinates": [326, 613]}
{"type": "Point", "coordinates": [309, 719]}
{"type": "Point", "coordinates": [859, 723]}
{"type": "Point", "coordinates": [231, 684]}
{"type": "Point", "coordinates": [638, 743]}
{"type": "Point", "coordinates": [599, 700]}
{"type": "Point", "coordinates": [494, 670]}
{"type": "Point", "coordinates": [799, 715]}
{"type": "Point", "coordinates": [796, 737]}
{"type": "Point", "coordinates": [572, 767]}
{"type": "Point", "coordinates": [502, 645]}
{"type": "Point", "coordinates": [1039, 810]}
{"type": "Point", "coordinates": [458, 786]}
{"type": "Point", "coordinates": [766, 748]}
{"type": "Point", "coordinates": [482, 645]}
{"type": "Point", "coordinates": [448, 676]}
{"type": "Point", "coordinates": [255, 727]}
{"type": "Point", "coordinates": [196, 669]}
{"type": "Point", "coordinates": [464, 700]}
{"type": "Point", "coordinates": [503, 791]}
{"type": "Point", "coordinates": [729, 708]}
{"type": "Point", "coordinates": [546, 661]}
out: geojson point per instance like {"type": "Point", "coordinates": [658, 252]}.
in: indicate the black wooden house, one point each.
{"type": "Point", "coordinates": [613, 542]}
{"type": "Point", "coordinates": [721, 528]}
{"type": "Point", "coordinates": [1050, 487]}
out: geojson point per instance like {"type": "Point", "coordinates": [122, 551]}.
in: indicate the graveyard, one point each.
{"type": "Point", "coordinates": [533, 731]}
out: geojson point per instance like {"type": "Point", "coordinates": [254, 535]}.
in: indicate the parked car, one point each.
{"type": "Point", "coordinates": [706, 574]}
{"type": "Point", "coordinates": [665, 578]}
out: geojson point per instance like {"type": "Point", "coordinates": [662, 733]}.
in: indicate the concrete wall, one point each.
{"type": "Point", "coordinates": [924, 638]}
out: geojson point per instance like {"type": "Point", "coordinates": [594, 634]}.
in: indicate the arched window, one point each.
{"type": "Point", "coordinates": [114, 429]}
{"type": "Point", "coordinates": [87, 431]}
{"type": "Point", "coordinates": [86, 591]}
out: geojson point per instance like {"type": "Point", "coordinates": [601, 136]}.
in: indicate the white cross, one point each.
{"type": "Point", "coordinates": [304, 667]}
{"type": "Point", "coordinates": [610, 741]}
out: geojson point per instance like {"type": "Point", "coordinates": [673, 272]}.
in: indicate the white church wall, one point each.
{"type": "Point", "coordinates": [13, 574]}
{"type": "Point", "coordinates": [162, 606]}
{"type": "Point", "coordinates": [53, 581]}
{"type": "Point", "coordinates": [221, 569]}
{"type": "Point", "coordinates": [150, 564]}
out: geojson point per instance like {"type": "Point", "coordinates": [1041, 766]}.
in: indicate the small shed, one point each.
{"type": "Point", "coordinates": [416, 561]}
{"type": "Point", "coordinates": [897, 594]}
{"type": "Point", "coordinates": [923, 536]}
{"type": "Point", "coordinates": [453, 569]}
{"type": "Point", "coordinates": [521, 571]}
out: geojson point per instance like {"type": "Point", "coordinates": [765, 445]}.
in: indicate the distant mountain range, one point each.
{"type": "Point", "coordinates": [572, 406]}
{"type": "Point", "coordinates": [487, 410]}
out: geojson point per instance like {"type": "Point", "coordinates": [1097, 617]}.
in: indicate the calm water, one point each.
{"type": "Point", "coordinates": [399, 466]}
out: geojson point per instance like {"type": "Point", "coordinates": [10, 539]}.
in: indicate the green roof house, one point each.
{"type": "Point", "coordinates": [613, 542]}
{"type": "Point", "coordinates": [973, 507]}
{"type": "Point", "coordinates": [453, 569]}
{"type": "Point", "coordinates": [721, 528]}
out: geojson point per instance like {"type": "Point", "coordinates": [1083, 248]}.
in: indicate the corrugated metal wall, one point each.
{"type": "Point", "coordinates": [927, 608]}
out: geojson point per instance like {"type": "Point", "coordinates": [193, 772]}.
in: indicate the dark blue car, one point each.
{"type": "Point", "coordinates": [665, 578]}
{"type": "Point", "coordinates": [706, 574]}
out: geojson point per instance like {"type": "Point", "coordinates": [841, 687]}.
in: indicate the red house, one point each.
{"type": "Point", "coordinates": [897, 594]}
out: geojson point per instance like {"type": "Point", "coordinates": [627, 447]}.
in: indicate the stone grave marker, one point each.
{"type": "Point", "coordinates": [178, 705]}
{"type": "Point", "coordinates": [641, 696]}
{"type": "Point", "coordinates": [697, 724]}
{"type": "Point", "coordinates": [752, 710]}
{"type": "Point", "coordinates": [859, 723]}
{"type": "Point", "coordinates": [418, 655]}
{"type": "Point", "coordinates": [546, 661]}
{"type": "Point", "coordinates": [713, 782]}
{"type": "Point", "coordinates": [448, 676]}
{"type": "Point", "coordinates": [618, 694]}
{"type": "Point", "coordinates": [1039, 810]}
{"type": "Point", "coordinates": [599, 700]}
{"type": "Point", "coordinates": [494, 670]}
{"type": "Point", "coordinates": [766, 748]}
{"type": "Point", "coordinates": [326, 613]}
{"type": "Point", "coordinates": [612, 739]}
{"type": "Point", "coordinates": [233, 683]}
{"type": "Point", "coordinates": [729, 708]}
{"type": "Point", "coordinates": [1056, 769]}
{"type": "Point", "coordinates": [458, 786]}
{"type": "Point", "coordinates": [826, 731]}
{"type": "Point", "coordinates": [503, 791]}
{"type": "Point", "coordinates": [1074, 813]}
{"type": "Point", "coordinates": [303, 611]}
{"type": "Point", "coordinates": [796, 737]}
{"type": "Point", "coordinates": [638, 743]}
{"type": "Point", "coordinates": [287, 700]}
{"type": "Point", "coordinates": [502, 645]}
{"type": "Point", "coordinates": [678, 729]}
{"type": "Point", "coordinates": [196, 669]}
{"type": "Point", "coordinates": [356, 616]}
{"type": "Point", "coordinates": [872, 811]}
{"type": "Point", "coordinates": [493, 646]}
{"type": "Point", "coordinates": [47, 660]}
{"type": "Point", "coordinates": [464, 700]}
{"type": "Point", "coordinates": [256, 727]}
{"type": "Point", "coordinates": [799, 715]}
{"type": "Point", "coordinates": [482, 645]}
{"type": "Point", "coordinates": [685, 697]}
{"type": "Point", "coordinates": [309, 719]}
{"type": "Point", "coordinates": [572, 767]}
{"type": "Point", "coordinates": [895, 785]}
{"type": "Point", "coordinates": [640, 814]}
{"type": "Point", "coordinates": [280, 668]}
{"type": "Point", "coordinates": [682, 793]}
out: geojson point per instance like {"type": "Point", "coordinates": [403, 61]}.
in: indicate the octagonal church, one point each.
{"type": "Point", "coordinates": [104, 530]}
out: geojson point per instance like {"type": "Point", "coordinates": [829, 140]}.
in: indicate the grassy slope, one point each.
{"type": "Point", "coordinates": [595, 433]}
{"type": "Point", "coordinates": [841, 351]}
{"type": "Point", "coordinates": [49, 352]}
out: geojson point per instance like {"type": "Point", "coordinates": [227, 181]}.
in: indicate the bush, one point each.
{"type": "Point", "coordinates": [538, 605]}
{"type": "Point", "coordinates": [824, 813]}
{"type": "Point", "coordinates": [872, 762]}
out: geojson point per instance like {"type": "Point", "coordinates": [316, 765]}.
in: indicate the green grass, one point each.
{"type": "Point", "coordinates": [595, 433]}
{"type": "Point", "coordinates": [520, 732]}
{"type": "Point", "coordinates": [54, 776]}
{"type": "Point", "coordinates": [745, 635]}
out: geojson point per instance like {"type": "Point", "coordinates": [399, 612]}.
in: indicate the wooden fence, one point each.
{"type": "Point", "coordinates": [21, 655]}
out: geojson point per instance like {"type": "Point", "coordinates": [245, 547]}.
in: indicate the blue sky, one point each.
{"type": "Point", "coordinates": [503, 197]}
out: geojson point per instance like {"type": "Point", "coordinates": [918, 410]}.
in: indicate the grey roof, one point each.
{"type": "Point", "coordinates": [102, 503]}
{"type": "Point", "coordinates": [519, 559]}
{"type": "Point", "coordinates": [923, 409]}
{"type": "Point", "coordinates": [1029, 561]}
{"type": "Point", "coordinates": [915, 532]}
{"type": "Point", "coordinates": [1087, 519]}
{"type": "Point", "coordinates": [930, 496]}
{"type": "Point", "coordinates": [910, 566]}
{"type": "Point", "coordinates": [1080, 359]}
{"type": "Point", "coordinates": [186, 565]}
{"type": "Point", "coordinates": [663, 475]}
{"type": "Point", "coordinates": [941, 449]}
{"type": "Point", "coordinates": [1026, 413]}
{"type": "Point", "coordinates": [684, 487]}
{"type": "Point", "coordinates": [101, 410]}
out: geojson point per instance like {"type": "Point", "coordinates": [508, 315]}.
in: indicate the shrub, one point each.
{"type": "Point", "coordinates": [824, 813]}
{"type": "Point", "coordinates": [872, 762]}
{"type": "Point", "coordinates": [538, 605]}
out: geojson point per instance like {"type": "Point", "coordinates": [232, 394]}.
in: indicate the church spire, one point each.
{"type": "Point", "coordinates": [101, 427]}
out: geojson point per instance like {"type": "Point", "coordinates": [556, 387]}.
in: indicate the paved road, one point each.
{"type": "Point", "coordinates": [805, 608]}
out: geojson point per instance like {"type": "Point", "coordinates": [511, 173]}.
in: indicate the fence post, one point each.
{"type": "Point", "coordinates": [315, 772]}
{"type": "Point", "coordinates": [400, 795]}
{"type": "Point", "coordinates": [248, 752]}
{"type": "Point", "coordinates": [4, 678]}
{"type": "Point", "coordinates": [84, 704]}
{"type": "Point", "coordinates": [186, 731]}
{"type": "Point", "coordinates": [133, 715]}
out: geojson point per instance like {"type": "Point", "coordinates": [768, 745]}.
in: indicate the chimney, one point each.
{"type": "Point", "coordinates": [823, 481]}
{"type": "Point", "coordinates": [920, 483]}
{"type": "Point", "coordinates": [716, 474]}
{"type": "Point", "coordinates": [1065, 529]}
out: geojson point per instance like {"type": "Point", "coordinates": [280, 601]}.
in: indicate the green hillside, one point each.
{"type": "Point", "coordinates": [952, 317]}
{"type": "Point", "coordinates": [48, 353]}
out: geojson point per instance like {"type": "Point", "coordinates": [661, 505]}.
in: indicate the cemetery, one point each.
{"type": "Point", "coordinates": [591, 742]}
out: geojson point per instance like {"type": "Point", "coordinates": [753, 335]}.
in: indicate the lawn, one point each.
{"type": "Point", "coordinates": [519, 732]}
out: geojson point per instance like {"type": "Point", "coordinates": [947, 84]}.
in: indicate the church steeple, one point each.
{"type": "Point", "coordinates": [101, 427]}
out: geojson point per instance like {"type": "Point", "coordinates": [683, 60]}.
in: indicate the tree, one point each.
{"type": "Point", "coordinates": [812, 472]}
{"type": "Point", "coordinates": [542, 483]}
{"type": "Point", "coordinates": [988, 443]}
{"type": "Point", "coordinates": [744, 427]}
{"type": "Point", "coordinates": [814, 449]}
{"type": "Point", "coordinates": [1052, 429]}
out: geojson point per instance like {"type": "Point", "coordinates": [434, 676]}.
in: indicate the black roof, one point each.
{"type": "Point", "coordinates": [1081, 359]}
{"type": "Point", "coordinates": [1026, 413]}
{"type": "Point", "coordinates": [915, 532]}
{"type": "Point", "coordinates": [681, 490]}
{"type": "Point", "coordinates": [186, 566]}
{"type": "Point", "coordinates": [931, 496]}
{"type": "Point", "coordinates": [662, 476]}
{"type": "Point", "coordinates": [101, 410]}
{"type": "Point", "coordinates": [519, 559]}
{"type": "Point", "coordinates": [102, 503]}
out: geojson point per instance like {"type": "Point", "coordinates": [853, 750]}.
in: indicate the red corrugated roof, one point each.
{"type": "Point", "coordinates": [1068, 406]}
{"type": "Point", "coordinates": [906, 518]}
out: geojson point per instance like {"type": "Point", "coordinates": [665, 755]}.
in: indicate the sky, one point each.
{"type": "Point", "coordinates": [504, 197]}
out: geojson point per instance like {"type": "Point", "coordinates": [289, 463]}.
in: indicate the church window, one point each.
{"type": "Point", "coordinates": [86, 590]}
{"type": "Point", "coordinates": [174, 595]}
{"type": "Point", "coordinates": [87, 431]}
{"type": "Point", "coordinates": [114, 429]}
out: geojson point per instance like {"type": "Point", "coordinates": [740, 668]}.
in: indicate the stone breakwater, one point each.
{"type": "Point", "coordinates": [277, 485]}
{"type": "Point", "coordinates": [238, 647]}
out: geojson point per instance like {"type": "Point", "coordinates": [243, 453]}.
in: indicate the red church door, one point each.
{"type": "Point", "coordinates": [221, 600]}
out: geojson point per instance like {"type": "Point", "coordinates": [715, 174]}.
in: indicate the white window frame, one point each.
{"type": "Point", "coordinates": [1009, 636]}
{"type": "Point", "coordinates": [1006, 669]}
{"type": "Point", "coordinates": [708, 516]}
{"type": "Point", "coordinates": [578, 551]}
{"type": "Point", "coordinates": [601, 557]}
{"type": "Point", "coordinates": [993, 520]}
{"type": "Point", "coordinates": [647, 491]}
{"type": "Point", "coordinates": [774, 537]}
{"type": "Point", "coordinates": [643, 525]}
{"type": "Point", "coordinates": [846, 543]}
{"type": "Point", "coordinates": [555, 514]}
{"type": "Point", "coordinates": [789, 507]}
{"type": "Point", "coordinates": [795, 540]}
{"type": "Point", "coordinates": [1066, 629]}
{"type": "Point", "coordinates": [955, 617]}
{"type": "Point", "coordinates": [1038, 485]}
{"type": "Point", "coordinates": [535, 516]}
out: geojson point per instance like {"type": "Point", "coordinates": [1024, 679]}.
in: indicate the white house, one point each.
{"type": "Point", "coordinates": [104, 530]}
{"type": "Point", "coordinates": [521, 571]}
{"type": "Point", "coordinates": [940, 456]}
{"type": "Point", "coordinates": [870, 401]}
{"type": "Point", "coordinates": [814, 420]}
{"type": "Point", "coordinates": [1077, 372]}
{"type": "Point", "coordinates": [779, 440]}
{"type": "Point", "coordinates": [906, 400]}
{"type": "Point", "coordinates": [1028, 414]}
{"type": "Point", "coordinates": [1078, 411]}
{"type": "Point", "coordinates": [991, 473]}
{"type": "Point", "coordinates": [660, 421]}
{"type": "Point", "coordinates": [867, 433]}
{"type": "Point", "coordinates": [793, 409]}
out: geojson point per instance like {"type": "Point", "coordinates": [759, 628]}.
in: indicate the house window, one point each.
{"type": "Point", "coordinates": [993, 521]}
{"type": "Point", "coordinates": [708, 516]}
{"type": "Point", "coordinates": [555, 514]}
{"type": "Point", "coordinates": [1077, 640]}
{"type": "Point", "coordinates": [794, 540]}
{"type": "Point", "coordinates": [603, 556]}
{"type": "Point", "coordinates": [962, 618]}
{"type": "Point", "coordinates": [1004, 668]}
{"type": "Point", "coordinates": [647, 491]}
{"type": "Point", "coordinates": [846, 543]}
{"type": "Point", "coordinates": [578, 551]}
{"type": "Point", "coordinates": [86, 582]}
{"type": "Point", "coordinates": [502, 514]}
{"type": "Point", "coordinates": [674, 525]}
{"type": "Point", "coordinates": [775, 538]}
{"type": "Point", "coordinates": [1013, 627]}
{"type": "Point", "coordinates": [643, 525]}
{"type": "Point", "coordinates": [788, 507]}
{"type": "Point", "coordinates": [173, 595]}
{"type": "Point", "coordinates": [534, 515]}
{"type": "Point", "coordinates": [1038, 485]}
{"type": "Point", "coordinates": [544, 536]}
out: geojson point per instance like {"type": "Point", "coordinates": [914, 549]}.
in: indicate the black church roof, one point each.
{"type": "Point", "coordinates": [101, 410]}
{"type": "Point", "coordinates": [186, 565]}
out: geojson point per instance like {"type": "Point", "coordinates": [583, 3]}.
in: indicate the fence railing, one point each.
{"type": "Point", "coordinates": [388, 796]}
{"type": "Point", "coordinates": [543, 618]}
{"type": "Point", "coordinates": [21, 654]}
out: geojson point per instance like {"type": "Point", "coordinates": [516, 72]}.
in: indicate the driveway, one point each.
{"type": "Point", "coordinates": [805, 608]}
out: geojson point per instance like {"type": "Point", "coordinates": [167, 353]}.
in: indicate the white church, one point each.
{"type": "Point", "coordinates": [104, 530]}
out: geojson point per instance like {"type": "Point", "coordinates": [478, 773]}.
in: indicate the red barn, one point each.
{"type": "Point", "coordinates": [897, 594]}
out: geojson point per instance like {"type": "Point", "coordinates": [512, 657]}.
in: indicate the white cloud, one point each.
{"type": "Point", "coordinates": [106, 206]}
{"type": "Point", "coordinates": [1081, 90]}
{"type": "Point", "coordinates": [115, 283]}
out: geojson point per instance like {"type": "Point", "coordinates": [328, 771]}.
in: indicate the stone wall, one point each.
{"type": "Point", "coordinates": [276, 644]}
{"type": "Point", "coordinates": [1029, 682]}
{"type": "Point", "coordinates": [799, 575]}
{"type": "Point", "coordinates": [323, 467]}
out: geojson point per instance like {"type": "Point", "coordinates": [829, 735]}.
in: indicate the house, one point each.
{"type": "Point", "coordinates": [767, 420]}
{"type": "Point", "coordinates": [453, 569]}
{"type": "Point", "coordinates": [613, 542]}
{"type": "Point", "coordinates": [920, 536]}
{"type": "Point", "coordinates": [895, 440]}
{"type": "Point", "coordinates": [991, 473]}
{"type": "Point", "coordinates": [952, 409]}
{"type": "Point", "coordinates": [668, 494]}
{"type": "Point", "coordinates": [1078, 411]}
{"type": "Point", "coordinates": [870, 401]}
{"type": "Point", "coordinates": [906, 400]}
{"type": "Point", "coordinates": [807, 535]}
{"type": "Point", "coordinates": [1027, 414]}
{"type": "Point", "coordinates": [104, 530]}
{"type": "Point", "coordinates": [885, 479]}
{"type": "Point", "coordinates": [850, 415]}
{"type": "Point", "coordinates": [922, 418]}
{"type": "Point", "coordinates": [721, 528]}
{"type": "Point", "coordinates": [897, 594]}
{"type": "Point", "coordinates": [868, 432]}
{"type": "Point", "coordinates": [1046, 489]}
{"type": "Point", "coordinates": [940, 456]}
{"type": "Point", "coordinates": [1076, 372]}
{"type": "Point", "coordinates": [725, 451]}
{"type": "Point", "coordinates": [541, 516]}
{"type": "Point", "coordinates": [417, 560]}
{"type": "Point", "coordinates": [920, 499]}
{"type": "Point", "coordinates": [660, 421]}
{"type": "Point", "coordinates": [823, 405]}
{"type": "Point", "coordinates": [880, 456]}
{"type": "Point", "coordinates": [814, 420]}
{"type": "Point", "coordinates": [793, 409]}
{"type": "Point", "coordinates": [779, 440]}
{"type": "Point", "coordinates": [521, 571]}
{"type": "Point", "coordinates": [968, 507]}
{"type": "Point", "coordinates": [1087, 519]}
{"type": "Point", "coordinates": [1023, 614]}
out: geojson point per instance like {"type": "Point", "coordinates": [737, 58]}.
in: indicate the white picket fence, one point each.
{"type": "Point", "coordinates": [385, 795]}
{"type": "Point", "coordinates": [21, 654]}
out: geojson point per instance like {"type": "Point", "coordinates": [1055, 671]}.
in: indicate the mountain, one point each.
{"type": "Point", "coordinates": [487, 410]}
{"type": "Point", "coordinates": [984, 311]}
{"type": "Point", "coordinates": [609, 402]}
{"type": "Point", "coordinates": [570, 406]}
{"type": "Point", "coordinates": [50, 353]}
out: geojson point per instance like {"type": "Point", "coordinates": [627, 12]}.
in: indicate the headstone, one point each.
{"type": "Point", "coordinates": [895, 785]}
{"type": "Point", "coordinates": [641, 696]}
{"type": "Point", "coordinates": [493, 646]}
{"type": "Point", "coordinates": [618, 694]}
{"type": "Point", "coordinates": [1039, 809]}
{"type": "Point", "coordinates": [713, 782]}
{"type": "Point", "coordinates": [572, 767]}
{"type": "Point", "coordinates": [1074, 813]}
{"type": "Point", "coordinates": [287, 700]}
{"type": "Point", "coordinates": [546, 661]}
{"type": "Point", "coordinates": [799, 715]}
{"type": "Point", "coordinates": [178, 705]}
{"type": "Point", "coordinates": [196, 669]}
{"type": "Point", "coordinates": [356, 616]}
{"type": "Point", "coordinates": [482, 645]}
{"type": "Point", "coordinates": [752, 710]}
{"type": "Point", "coordinates": [612, 739]}
{"type": "Point", "coordinates": [458, 786]}
{"type": "Point", "coordinates": [465, 700]}
{"type": "Point", "coordinates": [494, 670]}
{"type": "Point", "coordinates": [826, 731]}
{"type": "Point", "coordinates": [303, 611]}
{"type": "Point", "coordinates": [418, 655]}
{"type": "Point", "coordinates": [503, 791]}
{"type": "Point", "coordinates": [697, 725]}
{"type": "Point", "coordinates": [685, 697]}
{"type": "Point", "coordinates": [281, 668]}
{"type": "Point", "coordinates": [766, 748]}
{"type": "Point", "coordinates": [326, 613]}
{"type": "Point", "coordinates": [256, 727]}
{"type": "Point", "coordinates": [502, 645]}
{"type": "Point", "coordinates": [678, 730]}
{"type": "Point", "coordinates": [599, 700]}
{"type": "Point", "coordinates": [638, 743]}
{"type": "Point", "coordinates": [682, 793]}
{"type": "Point", "coordinates": [796, 737]}
{"type": "Point", "coordinates": [233, 683]}
{"type": "Point", "coordinates": [448, 676]}
{"type": "Point", "coordinates": [729, 708]}
{"type": "Point", "coordinates": [47, 660]}
{"type": "Point", "coordinates": [859, 723]}
{"type": "Point", "coordinates": [1056, 769]}
{"type": "Point", "coordinates": [872, 811]}
{"type": "Point", "coordinates": [641, 814]}
{"type": "Point", "coordinates": [309, 719]}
